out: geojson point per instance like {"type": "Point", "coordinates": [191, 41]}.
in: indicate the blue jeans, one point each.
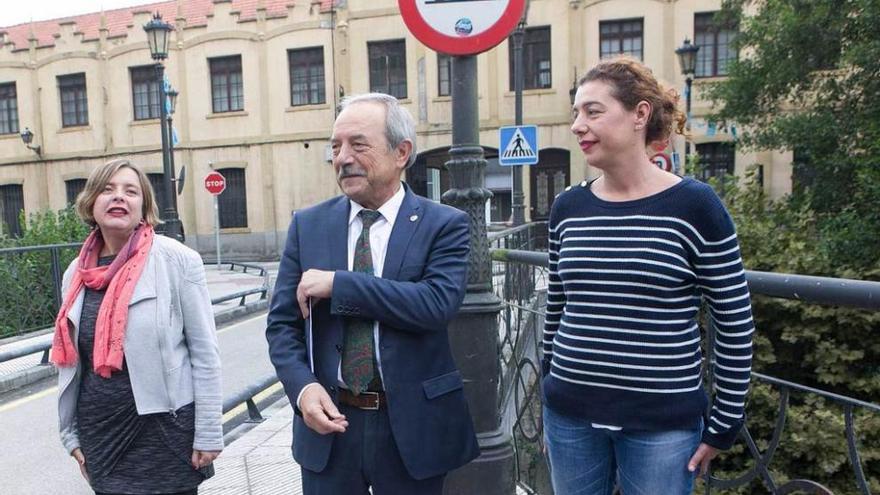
{"type": "Point", "coordinates": [588, 461]}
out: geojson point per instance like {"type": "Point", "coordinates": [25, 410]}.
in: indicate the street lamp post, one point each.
{"type": "Point", "coordinates": [172, 106]}
{"type": "Point", "coordinates": [517, 196]}
{"type": "Point", "coordinates": [687, 58]}
{"type": "Point", "coordinates": [158, 37]}
{"type": "Point", "coordinates": [473, 333]}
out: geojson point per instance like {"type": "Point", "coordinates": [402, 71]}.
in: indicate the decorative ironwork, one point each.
{"type": "Point", "coordinates": [522, 288]}
{"type": "Point", "coordinates": [466, 165]}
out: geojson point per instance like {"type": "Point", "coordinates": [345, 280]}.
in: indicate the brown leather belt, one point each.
{"type": "Point", "coordinates": [372, 401]}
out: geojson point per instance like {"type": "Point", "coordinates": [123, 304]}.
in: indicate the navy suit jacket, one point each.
{"type": "Point", "coordinates": [422, 286]}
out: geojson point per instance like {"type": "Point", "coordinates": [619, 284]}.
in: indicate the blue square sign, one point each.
{"type": "Point", "coordinates": [518, 145]}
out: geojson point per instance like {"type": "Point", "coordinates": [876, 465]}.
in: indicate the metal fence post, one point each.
{"type": "Point", "coordinates": [56, 277]}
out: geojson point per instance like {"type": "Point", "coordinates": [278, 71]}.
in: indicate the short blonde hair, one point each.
{"type": "Point", "coordinates": [100, 177]}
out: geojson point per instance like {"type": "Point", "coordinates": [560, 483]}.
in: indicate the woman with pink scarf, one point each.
{"type": "Point", "coordinates": [139, 399]}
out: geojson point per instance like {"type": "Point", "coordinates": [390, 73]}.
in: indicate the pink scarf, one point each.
{"type": "Point", "coordinates": [119, 278]}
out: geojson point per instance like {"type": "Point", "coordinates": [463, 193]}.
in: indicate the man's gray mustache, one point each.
{"type": "Point", "coordinates": [347, 172]}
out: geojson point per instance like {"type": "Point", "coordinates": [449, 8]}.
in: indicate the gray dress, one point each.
{"type": "Point", "coordinates": [127, 453]}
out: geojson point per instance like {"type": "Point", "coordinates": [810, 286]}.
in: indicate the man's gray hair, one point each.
{"type": "Point", "coordinates": [399, 123]}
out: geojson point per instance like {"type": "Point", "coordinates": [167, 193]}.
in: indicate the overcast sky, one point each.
{"type": "Point", "coordinates": [19, 11]}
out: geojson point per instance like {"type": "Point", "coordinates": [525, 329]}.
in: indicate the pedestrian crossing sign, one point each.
{"type": "Point", "coordinates": [518, 145]}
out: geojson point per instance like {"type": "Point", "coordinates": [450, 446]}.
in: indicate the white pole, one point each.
{"type": "Point", "coordinates": [217, 230]}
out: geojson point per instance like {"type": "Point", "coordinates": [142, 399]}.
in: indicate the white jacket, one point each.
{"type": "Point", "coordinates": [170, 345]}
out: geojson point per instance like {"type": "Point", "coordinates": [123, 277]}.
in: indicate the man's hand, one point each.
{"type": "Point", "coordinates": [314, 284]}
{"type": "Point", "coordinates": [81, 460]}
{"type": "Point", "coordinates": [319, 412]}
{"type": "Point", "coordinates": [201, 458]}
{"type": "Point", "coordinates": [702, 457]}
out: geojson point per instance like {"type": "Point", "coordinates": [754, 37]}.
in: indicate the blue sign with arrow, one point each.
{"type": "Point", "coordinates": [518, 145]}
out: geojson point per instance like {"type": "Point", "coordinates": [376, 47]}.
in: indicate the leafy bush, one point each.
{"type": "Point", "coordinates": [27, 282]}
{"type": "Point", "coordinates": [835, 349]}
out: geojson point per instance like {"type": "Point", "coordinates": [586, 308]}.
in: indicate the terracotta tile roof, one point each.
{"type": "Point", "coordinates": [118, 21]}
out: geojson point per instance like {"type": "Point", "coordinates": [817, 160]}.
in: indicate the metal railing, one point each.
{"type": "Point", "coordinates": [530, 236]}
{"type": "Point", "coordinates": [44, 343]}
{"type": "Point", "coordinates": [247, 395]}
{"type": "Point", "coordinates": [244, 267]}
{"type": "Point", "coordinates": [522, 323]}
{"type": "Point", "coordinates": [242, 295]}
{"type": "Point", "coordinates": [30, 285]}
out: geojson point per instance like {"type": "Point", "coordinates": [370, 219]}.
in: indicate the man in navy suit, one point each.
{"type": "Point", "coordinates": [357, 327]}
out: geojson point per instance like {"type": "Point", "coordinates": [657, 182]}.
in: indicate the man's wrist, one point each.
{"type": "Point", "coordinates": [301, 392]}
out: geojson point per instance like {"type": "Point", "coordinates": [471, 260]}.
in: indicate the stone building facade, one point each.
{"type": "Point", "coordinates": [259, 81]}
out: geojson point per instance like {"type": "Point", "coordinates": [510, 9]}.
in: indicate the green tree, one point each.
{"type": "Point", "coordinates": [808, 80]}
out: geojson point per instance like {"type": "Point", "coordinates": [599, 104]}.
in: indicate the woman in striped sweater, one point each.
{"type": "Point", "coordinates": [632, 255]}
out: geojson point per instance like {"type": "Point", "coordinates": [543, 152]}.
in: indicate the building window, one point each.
{"type": "Point", "coordinates": [74, 102]}
{"type": "Point", "coordinates": [621, 38]}
{"type": "Point", "coordinates": [500, 206]}
{"type": "Point", "coordinates": [233, 202]}
{"type": "Point", "coordinates": [716, 159]}
{"type": "Point", "coordinates": [11, 204]}
{"type": "Point", "coordinates": [8, 109]}
{"type": "Point", "coordinates": [388, 67]}
{"type": "Point", "coordinates": [803, 173]}
{"type": "Point", "coordinates": [444, 75]}
{"type": "Point", "coordinates": [157, 182]}
{"type": "Point", "coordinates": [74, 187]}
{"type": "Point", "coordinates": [306, 76]}
{"type": "Point", "coordinates": [433, 185]}
{"type": "Point", "coordinates": [145, 92]}
{"type": "Point", "coordinates": [716, 46]}
{"type": "Point", "coordinates": [536, 59]}
{"type": "Point", "coordinates": [227, 88]}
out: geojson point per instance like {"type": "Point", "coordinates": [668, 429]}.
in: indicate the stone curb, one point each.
{"type": "Point", "coordinates": [23, 378]}
{"type": "Point", "coordinates": [26, 377]}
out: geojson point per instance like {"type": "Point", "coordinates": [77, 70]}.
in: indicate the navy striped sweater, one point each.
{"type": "Point", "coordinates": [621, 339]}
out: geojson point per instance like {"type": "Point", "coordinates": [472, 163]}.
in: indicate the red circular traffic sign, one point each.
{"type": "Point", "coordinates": [662, 161]}
{"type": "Point", "coordinates": [215, 183]}
{"type": "Point", "coordinates": [461, 27]}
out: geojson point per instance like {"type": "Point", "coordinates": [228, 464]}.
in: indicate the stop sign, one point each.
{"type": "Point", "coordinates": [215, 183]}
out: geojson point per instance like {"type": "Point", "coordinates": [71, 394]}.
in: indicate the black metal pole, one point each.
{"type": "Point", "coordinates": [174, 174]}
{"type": "Point", "coordinates": [687, 142]}
{"type": "Point", "coordinates": [473, 333]}
{"type": "Point", "coordinates": [517, 197]}
{"type": "Point", "coordinates": [172, 227]}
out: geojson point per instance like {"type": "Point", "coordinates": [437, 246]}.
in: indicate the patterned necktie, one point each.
{"type": "Point", "coordinates": [358, 355]}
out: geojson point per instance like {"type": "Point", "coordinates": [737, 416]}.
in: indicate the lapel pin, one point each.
{"type": "Point", "coordinates": [413, 218]}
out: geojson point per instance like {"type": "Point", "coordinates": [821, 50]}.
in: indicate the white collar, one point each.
{"type": "Point", "coordinates": [388, 210]}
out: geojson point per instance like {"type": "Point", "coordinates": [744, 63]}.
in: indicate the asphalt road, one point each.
{"type": "Point", "coordinates": [32, 460]}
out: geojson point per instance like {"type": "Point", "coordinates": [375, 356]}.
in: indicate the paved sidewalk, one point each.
{"type": "Point", "coordinates": [260, 461]}
{"type": "Point", "coordinates": [22, 371]}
